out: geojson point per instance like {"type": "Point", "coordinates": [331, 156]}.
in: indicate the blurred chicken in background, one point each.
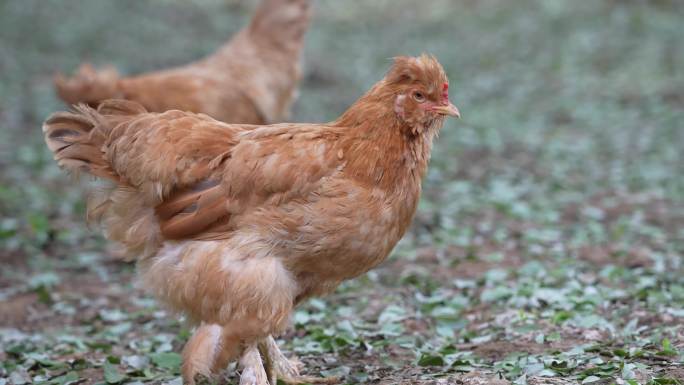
{"type": "Point", "coordinates": [251, 79]}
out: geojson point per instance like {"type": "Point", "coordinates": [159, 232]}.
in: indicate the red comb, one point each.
{"type": "Point", "coordinates": [445, 91]}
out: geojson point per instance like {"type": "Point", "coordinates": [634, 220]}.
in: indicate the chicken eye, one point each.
{"type": "Point", "coordinates": [419, 97]}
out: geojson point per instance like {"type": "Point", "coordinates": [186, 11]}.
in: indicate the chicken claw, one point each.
{"type": "Point", "coordinates": [253, 372]}
{"type": "Point", "coordinates": [279, 367]}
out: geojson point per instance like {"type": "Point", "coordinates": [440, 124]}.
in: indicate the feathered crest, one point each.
{"type": "Point", "coordinates": [424, 69]}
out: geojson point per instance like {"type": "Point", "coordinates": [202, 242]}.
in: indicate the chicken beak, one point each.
{"type": "Point", "coordinates": [448, 109]}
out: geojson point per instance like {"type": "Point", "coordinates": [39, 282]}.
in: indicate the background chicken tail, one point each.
{"type": "Point", "coordinates": [88, 85]}
{"type": "Point", "coordinates": [76, 138]}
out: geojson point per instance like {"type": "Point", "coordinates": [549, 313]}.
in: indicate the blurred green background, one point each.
{"type": "Point", "coordinates": [565, 177]}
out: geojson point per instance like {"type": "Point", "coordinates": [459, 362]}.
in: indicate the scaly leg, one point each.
{"type": "Point", "coordinates": [199, 352]}
{"type": "Point", "coordinates": [253, 372]}
{"type": "Point", "coordinates": [209, 351]}
{"type": "Point", "coordinates": [280, 367]}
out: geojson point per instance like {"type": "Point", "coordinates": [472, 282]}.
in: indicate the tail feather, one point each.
{"type": "Point", "coordinates": [78, 141]}
{"type": "Point", "coordinates": [120, 107]}
{"type": "Point", "coordinates": [88, 85]}
{"type": "Point", "coordinates": [77, 138]}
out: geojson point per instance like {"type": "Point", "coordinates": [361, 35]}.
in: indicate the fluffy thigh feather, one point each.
{"type": "Point", "coordinates": [223, 282]}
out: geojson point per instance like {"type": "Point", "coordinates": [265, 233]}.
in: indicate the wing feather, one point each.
{"type": "Point", "coordinates": [267, 167]}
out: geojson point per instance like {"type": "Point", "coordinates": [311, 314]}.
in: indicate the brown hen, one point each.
{"type": "Point", "coordinates": [252, 79]}
{"type": "Point", "coordinates": [234, 225]}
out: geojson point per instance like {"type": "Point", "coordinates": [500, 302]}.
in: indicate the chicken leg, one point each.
{"type": "Point", "coordinates": [279, 367]}
{"type": "Point", "coordinates": [208, 351]}
{"type": "Point", "coordinates": [253, 372]}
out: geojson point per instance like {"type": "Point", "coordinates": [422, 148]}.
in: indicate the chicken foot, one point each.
{"type": "Point", "coordinates": [280, 367]}
{"type": "Point", "coordinates": [253, 372]}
